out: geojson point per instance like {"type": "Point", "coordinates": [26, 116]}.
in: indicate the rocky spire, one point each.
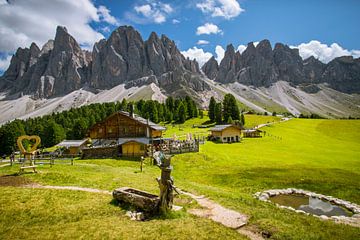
{"type": "Point", "coordinates": [211, 68]}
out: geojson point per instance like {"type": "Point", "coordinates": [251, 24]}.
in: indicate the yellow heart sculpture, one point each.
{"type": "Point", "coordinates": [26, 137]}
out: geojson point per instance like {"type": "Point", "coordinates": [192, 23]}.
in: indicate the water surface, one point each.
{"type": "Point", "coordinates": [311, 205]}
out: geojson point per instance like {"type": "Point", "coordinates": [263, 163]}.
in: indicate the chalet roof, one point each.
{"type": "Point", "coordinates": [72, 143]}
{"type": "Point", "coordinates": [219, 128]}
{"type": "Point", "coordinates": [143, 121]}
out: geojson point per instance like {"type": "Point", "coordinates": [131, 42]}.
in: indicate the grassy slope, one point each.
{"type": "Point", "coordinates": [318, 155]}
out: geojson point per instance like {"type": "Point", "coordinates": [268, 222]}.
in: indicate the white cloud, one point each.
{"type": "Point", "coordinates": [323, 52]}
{"type": "Point", "coordinates": [221, 8]}
{"type": "Point", "coordinates": [144, 10]}
{"type": "Point", "coordinates": [202, 42]}
{"type": "Point", "coordinates": [26, 21]}
{"type": "Point", "coordinates": [197, 53]}
{"type": "Point", "coordinates": [355, 53]}
{"type": "Point", "coordinates": [175, 21]}
{"type": "Point", "coordinates": [241, 48]}
{"type": "Point", "coordinates": [220, 52]}
{"type": "Point", "coordinates": [208, 28]}
{"type": "Point", "coordinates": [4, 63]}
{"type": "Point", "coordinates": [154, 11]}
{"type": "Point", "coordinates": [105, 15]}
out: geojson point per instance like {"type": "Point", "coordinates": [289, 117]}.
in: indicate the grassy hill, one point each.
{"type": "Point", "coordinates": [317, 155]}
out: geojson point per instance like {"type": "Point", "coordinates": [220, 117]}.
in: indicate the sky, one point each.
{"type": "Point", "coordinates": [324, 28]}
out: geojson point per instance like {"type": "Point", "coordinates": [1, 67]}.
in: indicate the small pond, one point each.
{"type": "Point", "coordinates": [311, 205]}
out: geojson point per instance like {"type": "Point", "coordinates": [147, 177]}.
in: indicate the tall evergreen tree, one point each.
{"type": "Point", "coordinates": [242, 119]}
{"type": "Point", "coordinates": [211, 112]}
{"type": "Point", "coordinates": [181, 113]}
{"type": "Point", "coordinates": [230, 108]}
{"type": "Point", "coordinates": [218, 113]}
{"type": "Point", "coordinates": [53, 134]}
{"type": "Point", "coordinates": [169, 102]}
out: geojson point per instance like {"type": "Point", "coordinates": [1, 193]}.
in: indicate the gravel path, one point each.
{"type": "Point", "coordinates": [222, 215]}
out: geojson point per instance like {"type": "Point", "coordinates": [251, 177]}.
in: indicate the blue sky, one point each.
{"type": "Point", "coordinates": [325, 29]}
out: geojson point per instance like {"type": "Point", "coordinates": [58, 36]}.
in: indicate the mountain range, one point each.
{"type": "Point", "coordinates": [61, 75]}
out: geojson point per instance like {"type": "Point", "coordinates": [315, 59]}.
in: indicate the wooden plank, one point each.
{"type": "Point", "coordinates": [28, 167]}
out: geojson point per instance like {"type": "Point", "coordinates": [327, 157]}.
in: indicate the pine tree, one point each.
{"type": "Point", "coordinates": [218, 113]}
{"type": "Point", "coordinates": [169, 102]}
{"type": "Point", "coordinates": [181, 113]}
{"type": "Point", "coordinates": [242, 119]}
{"type": "Point", "coordinates": [212, 105]}
{"type": "Point", "coordinates": [53, 134]}
{"type": "Point", "coordinates": [79, 129]}
{"type": "Point", "coordinates": [230, 108]}
{"type": "Point", "coordinates": [201, 113]}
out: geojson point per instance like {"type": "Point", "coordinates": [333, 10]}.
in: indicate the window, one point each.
{"type": "Point", "coordinates": [100, 130]}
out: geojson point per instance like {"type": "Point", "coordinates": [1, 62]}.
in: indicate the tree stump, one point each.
{"type": "Point", "coordinates": [166, 183]}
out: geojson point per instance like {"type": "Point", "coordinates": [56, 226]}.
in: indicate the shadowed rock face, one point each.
{"type": "Point", "coordinates": [262, 66]}
{"type": "Point", "coordinates": [211, 68]}
{"type": "Point", "coordinates": [62, 66]}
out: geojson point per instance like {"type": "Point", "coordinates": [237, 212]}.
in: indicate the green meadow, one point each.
{"type": "Point", "coordinates": [317, 155]}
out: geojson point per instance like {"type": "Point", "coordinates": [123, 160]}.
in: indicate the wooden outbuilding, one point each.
{"type": "Point", "coordinates": [73, 147]}
{"type": "Point", "coordinates": [226, 133]}
{"type": "Point", "coordinates": [252, 133]}
{"type": "Point", "coordinates": [122, 134]}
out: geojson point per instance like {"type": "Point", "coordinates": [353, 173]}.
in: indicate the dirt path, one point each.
{"type": "Point", "coordinates": [222, 215]}
{"type": "Point", "coordinates": [92, 190]}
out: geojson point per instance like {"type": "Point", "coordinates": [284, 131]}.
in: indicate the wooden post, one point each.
{"type": "Point", "coordinates": [165, 184]}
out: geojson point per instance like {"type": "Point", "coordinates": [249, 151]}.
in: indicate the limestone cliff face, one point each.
{"type": "Point", "coordinates": [262, 66]}
{"type": "Point", "coordinates": [126, 58]}
{"type": "Point", "coordinates": [61, 66]}
{"type": "Point", "coordinates": [57, 69]}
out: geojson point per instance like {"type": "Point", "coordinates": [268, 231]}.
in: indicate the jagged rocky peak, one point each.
{"type": "Point", "coordinates": [48, 46]}
{"type": "Point", "coordinates": [289, 63]}
{"type": "Point", "coordinates": [211, 68]}
{"type": "Point", "coordinates": [65, 42]}
{"type": "Point", "coordinates": [227, 67]}
{"type": "Point", "coordinates": [343, 73]}
{"type": "Point", "coordinates": [264, 49]}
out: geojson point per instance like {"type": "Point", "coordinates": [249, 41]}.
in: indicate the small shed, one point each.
{"type": "Point", "coordinates": [226, 133]}
{"type": "Point", "coordinates": [252, 133]}
{"type": "Point", "coordinates": [73, 146]}
{"type": "Point", "coordinates": [132, 146]}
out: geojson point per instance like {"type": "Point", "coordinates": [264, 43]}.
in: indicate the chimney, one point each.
{"type": "Point", "coordinates": [131, 112]}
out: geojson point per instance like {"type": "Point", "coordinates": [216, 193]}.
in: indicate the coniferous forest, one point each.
{"type": "Point", "coordinates": [74, 123]}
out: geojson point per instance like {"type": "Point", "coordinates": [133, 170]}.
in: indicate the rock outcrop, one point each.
{"type": "Point", "coordinates": [61, 66]}
{"type": "Point", "coordinates": [262, 66]}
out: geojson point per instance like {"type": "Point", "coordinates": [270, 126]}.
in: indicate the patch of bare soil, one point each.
{"type": "Point", "coordinates": [15, 181]}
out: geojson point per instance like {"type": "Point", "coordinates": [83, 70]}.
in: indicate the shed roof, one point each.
{"type": "Point", "coordinates": [252, 130]}
{"type": "Point", "coordinates": [219, 128]}
{"type": "Point", "coordinates": [121, 141]}
{"type": "Point", "coordinates": [72, 143]}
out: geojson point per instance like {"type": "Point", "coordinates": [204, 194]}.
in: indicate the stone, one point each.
{"type": "Point", "coordinates": [140, 199]}
{"type": "Point", "coordinates": [323, 217]}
